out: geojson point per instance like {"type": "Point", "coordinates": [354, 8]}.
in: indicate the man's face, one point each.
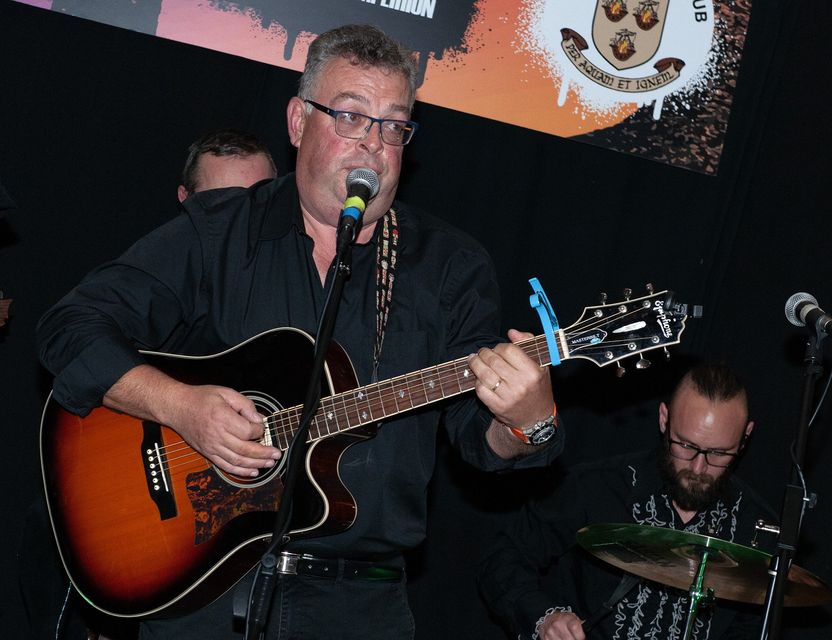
{"type": "Point", "coordinates": [324, 158]}
{"type": "Point", "coordinates": [695, 420]}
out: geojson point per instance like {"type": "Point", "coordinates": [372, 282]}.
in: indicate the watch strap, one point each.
{"type": "Point", "coordinates": [538, 433]}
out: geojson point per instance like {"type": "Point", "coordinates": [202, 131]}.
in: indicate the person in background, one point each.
{"type": "Point", "coordinates": [225, 158]}
{"type": "Point", "coordinates": [687, 483]}
{"type": "Point", "coordinates": [5, 303]}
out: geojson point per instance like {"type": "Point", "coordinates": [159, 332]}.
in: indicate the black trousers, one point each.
{"type": "Point", "coordinates": [304, 608]}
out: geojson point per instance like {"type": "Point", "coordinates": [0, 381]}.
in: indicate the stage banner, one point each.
{"type": "Point", "coordinates": [652, 78]}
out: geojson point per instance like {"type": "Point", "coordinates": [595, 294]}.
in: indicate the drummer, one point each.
{"type": "Point", "coordinates": [685, 483]}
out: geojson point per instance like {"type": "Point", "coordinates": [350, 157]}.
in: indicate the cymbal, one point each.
{"type": "Point", "coordinates": [672, 557]}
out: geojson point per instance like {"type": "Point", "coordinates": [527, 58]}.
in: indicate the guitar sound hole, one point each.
{"type": "Point", "coordinates": [266, 406]}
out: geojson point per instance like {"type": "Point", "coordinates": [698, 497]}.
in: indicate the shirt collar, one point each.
{"type": "Point", "coordinates": [280, 203]}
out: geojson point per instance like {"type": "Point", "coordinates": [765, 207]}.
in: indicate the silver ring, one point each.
{"type": "Point", "coordinates": [497, 384]}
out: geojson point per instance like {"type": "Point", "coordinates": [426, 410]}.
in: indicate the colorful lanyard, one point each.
{"type": "Point", "coordinates": [386, 254]}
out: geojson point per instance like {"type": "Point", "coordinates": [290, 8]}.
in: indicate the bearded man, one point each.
{"type": "Point", "coordinates": [686, 483]}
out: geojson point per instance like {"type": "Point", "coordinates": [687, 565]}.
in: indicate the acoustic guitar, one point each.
{"type": "Point", "coordinates": [146, 526]}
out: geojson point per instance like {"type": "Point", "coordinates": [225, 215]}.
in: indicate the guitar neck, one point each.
{"type": "Point", "coordinates": [381, 400]}
{"type": "Point", "coordinates": [604, 334]}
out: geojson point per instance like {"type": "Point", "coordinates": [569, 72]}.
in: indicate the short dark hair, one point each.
{"type": "Point", "coordinates": [716, 381]}
{"type": "Point", "coordinates": [221, 142]}
{"type": "Point", "coordinates": [361, 44]}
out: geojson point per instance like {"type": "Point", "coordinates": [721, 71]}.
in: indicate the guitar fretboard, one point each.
{"type": "Point", "coordinates": [381, 400]}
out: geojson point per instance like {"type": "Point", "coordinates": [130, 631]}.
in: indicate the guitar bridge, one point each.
{"type": "Point", "coordinates": [156, 474]}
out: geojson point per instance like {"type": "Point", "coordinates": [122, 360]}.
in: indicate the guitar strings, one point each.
{"type": "Point", "coordinates": [284, 422]}
{"type": "Point", "coordinates": [377, 398]}
{"type": "Point", "coordinates": [383, 399]}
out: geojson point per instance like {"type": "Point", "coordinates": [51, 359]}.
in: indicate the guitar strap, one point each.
{"type": "Point", "coordinates": [386, 254]}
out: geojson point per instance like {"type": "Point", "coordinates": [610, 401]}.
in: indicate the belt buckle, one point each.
{"type": "Point", "coordinates": [287, 563]}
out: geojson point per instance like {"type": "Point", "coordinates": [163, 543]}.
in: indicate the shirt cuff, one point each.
{"type": "Point", "coordinates": [82, 384]}
{"type": "Point", "coordinates": [542, 619]}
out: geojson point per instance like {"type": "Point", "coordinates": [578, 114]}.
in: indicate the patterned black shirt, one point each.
{"type": "Point", "coordinates": [624, 489]}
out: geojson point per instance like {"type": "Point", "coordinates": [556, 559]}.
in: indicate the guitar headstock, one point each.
{"type": "Point", "coordinates": [610, 332]}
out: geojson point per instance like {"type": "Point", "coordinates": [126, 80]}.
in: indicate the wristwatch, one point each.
{"type": "Point", "coordinates": [538, 433]}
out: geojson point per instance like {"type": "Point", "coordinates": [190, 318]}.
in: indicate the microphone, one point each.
{"type": "Point", "coordinates": [362, 186]}
{"type": "Point", "coordinates": [802, 309]}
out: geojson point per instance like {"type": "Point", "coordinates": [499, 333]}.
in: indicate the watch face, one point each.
{"type": "Point", "coordinates": [543, 435]}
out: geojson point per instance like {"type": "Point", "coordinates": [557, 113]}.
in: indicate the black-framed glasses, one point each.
{"type": "Point", "coordinates": [349, 124]}
{"type": "Point", "coordinates": [688, 451]}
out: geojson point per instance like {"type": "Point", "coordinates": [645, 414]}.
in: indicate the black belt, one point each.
{"type": "Point", "coordinates": [308, 565]}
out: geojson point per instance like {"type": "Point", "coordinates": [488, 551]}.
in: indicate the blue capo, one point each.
{"type": "Point", "coordinates": [540, 302]}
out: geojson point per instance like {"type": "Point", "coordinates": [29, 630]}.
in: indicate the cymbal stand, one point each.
{"type": "Point", "coordinates": [697, 594]}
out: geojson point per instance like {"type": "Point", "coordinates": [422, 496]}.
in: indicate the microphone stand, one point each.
{"type": "Point", "coordinates": [262, 588]}
{"type": "Point", "coordinates": [794, 498]}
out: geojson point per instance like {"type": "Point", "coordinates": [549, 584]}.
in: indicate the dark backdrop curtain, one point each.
{"type": "Point", "coordinates": [94, 125]}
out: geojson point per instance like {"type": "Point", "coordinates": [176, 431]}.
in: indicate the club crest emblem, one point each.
{"type": "Point", "coordinates": [628, 33]}
{"type": "Point", "coordinates": [611, 52]}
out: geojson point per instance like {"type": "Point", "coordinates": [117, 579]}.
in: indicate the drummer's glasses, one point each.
{"type": "Point", "coordinates": [687, 451]}
{"type": "Point", "coordinates": [349, 124]}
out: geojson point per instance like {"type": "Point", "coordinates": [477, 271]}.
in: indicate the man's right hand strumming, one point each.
{"type": "Point", "coordinates": [220, 423]}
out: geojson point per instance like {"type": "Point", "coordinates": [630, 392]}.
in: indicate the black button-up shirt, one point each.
{"type": "Point", "coordinates": [238, 262]}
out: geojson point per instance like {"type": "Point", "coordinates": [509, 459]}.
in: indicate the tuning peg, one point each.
{"type": "Point", "coordinates": [649, 287]}
{"type": "Point", "coordinates": [620, 371]}
{"type": "Point", "coordinates": [643, 363]}
{"type": "Point", "coordinates": [603, 297]}
{"type": "Point", "coordinates": [627, 293]}
{"type": "Point", "coordinates": [666, 353]}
